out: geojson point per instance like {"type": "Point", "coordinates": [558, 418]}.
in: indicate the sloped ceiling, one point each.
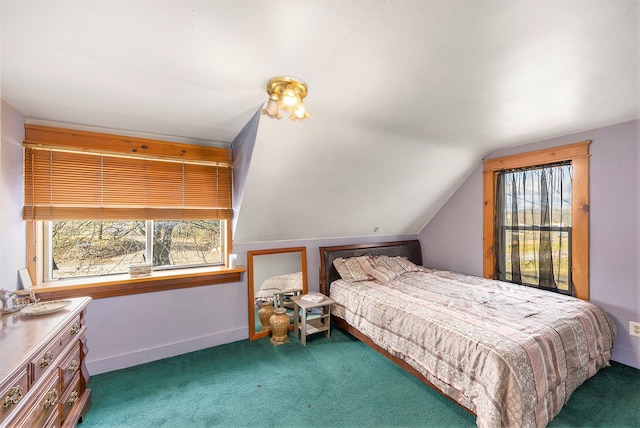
{"type": "Point", "coordinates": [406, 96]}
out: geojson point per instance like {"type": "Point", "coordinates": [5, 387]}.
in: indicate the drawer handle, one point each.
{"type": "Point", "coordinates": [73, 366]}
{"type": "Point", "coordinates": [50, 399]}
{"type": "Point", "coordinates": [72, 398]}
{"type": "Point", "coordinates": [46, 360]}
{"type": "Point", "coordinates": [13, 397]}
{"type": "Point", "coordinates": [75, 328]}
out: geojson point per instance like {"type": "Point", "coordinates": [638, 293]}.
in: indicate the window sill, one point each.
{"type": "Point", "coordinates": [124, 285]}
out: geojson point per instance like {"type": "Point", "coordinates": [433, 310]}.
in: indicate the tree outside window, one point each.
{"type": "Point", "coordinates": [88, 248]}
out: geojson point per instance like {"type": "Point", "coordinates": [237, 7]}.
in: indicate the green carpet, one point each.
{"type": "Point", "coordinates": [336, 382]}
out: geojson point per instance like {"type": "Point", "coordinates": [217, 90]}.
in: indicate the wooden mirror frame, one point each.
{"type": "Point", "coordinates": [251, 275]}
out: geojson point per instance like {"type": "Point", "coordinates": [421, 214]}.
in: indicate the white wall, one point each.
{"type": "Point", "coordinates": [453, 238]}
{"type": "Point", "coordinates": [12, 230]}
{"type": "Point", "coordinates": [130, 330]}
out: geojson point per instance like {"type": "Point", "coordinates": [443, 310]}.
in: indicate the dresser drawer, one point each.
{"type": "Point", "coordinates": [43, 404]}
{"type": "Point", "coordinates": [70, 396]}
{"type": "Point", "coordinates": [69, 365]}
{"type": "Point", "coordinates": [54, 420]}
{"type": "Point", "coordinates": [13, 391]}
{"type": "Point", "coordinates": [48, 357]}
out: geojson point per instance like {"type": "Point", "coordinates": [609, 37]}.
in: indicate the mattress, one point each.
{"type": "Point", "coordinates": [511, 354]}
{"type": "Point", "coordinates": [279, 284]}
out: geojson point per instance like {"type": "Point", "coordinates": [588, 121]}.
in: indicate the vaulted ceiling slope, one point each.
{"type": "Point", "coordinates": [406, 96]}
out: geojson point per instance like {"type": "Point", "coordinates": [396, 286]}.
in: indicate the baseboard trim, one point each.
{"type": "Point", "coordinates": [130, 359]}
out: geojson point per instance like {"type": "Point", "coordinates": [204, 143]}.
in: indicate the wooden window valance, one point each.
{"type": "Point", "coordinates": [73, 175]}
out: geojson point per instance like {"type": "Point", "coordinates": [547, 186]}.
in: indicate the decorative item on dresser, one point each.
{"type": "Point", "coordinates": [43, 376]}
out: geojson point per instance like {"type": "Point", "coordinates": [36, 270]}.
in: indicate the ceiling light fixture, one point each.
{"type": "Point", "coordinates": [286, 93]}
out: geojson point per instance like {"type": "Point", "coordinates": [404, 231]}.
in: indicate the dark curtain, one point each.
{"type": "Point", "coordinates": [546, 277]}
{"type": "Point", "coordinates": [533, 226]}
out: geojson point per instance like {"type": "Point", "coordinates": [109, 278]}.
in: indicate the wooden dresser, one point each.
{"type": "Point", "coordinates": [43, 376]}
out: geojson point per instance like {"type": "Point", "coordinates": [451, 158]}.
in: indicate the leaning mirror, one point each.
{"type": "Point", "coordinates": [274, 276]}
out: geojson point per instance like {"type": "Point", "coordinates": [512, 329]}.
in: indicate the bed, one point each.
{"type": "Point", "coordinates": [280, 285]}
{"type": "Point", "coordinates": [509, 354]}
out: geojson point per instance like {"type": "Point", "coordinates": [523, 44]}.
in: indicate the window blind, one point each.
{"type": "Point", "coordinates": [71, 185]}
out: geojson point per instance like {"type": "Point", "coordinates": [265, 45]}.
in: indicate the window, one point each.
{"type": "Point", "coordinates": [533, 226]}
{"type": "Point", "coordinates": [80, 248]}
{"type": "Point", "coordinates": [516, 234]}
{"type": "Point", "coordinates": [97, 203]}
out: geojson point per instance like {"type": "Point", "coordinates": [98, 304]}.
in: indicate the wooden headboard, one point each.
{"type": "Point", "coordinates": [328, 273]}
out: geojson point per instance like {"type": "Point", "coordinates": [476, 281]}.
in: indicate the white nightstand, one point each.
{"type": "Point", "coordinates": [310, 323]}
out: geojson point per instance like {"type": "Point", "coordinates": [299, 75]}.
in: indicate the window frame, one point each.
{"type": "Point", "coordinates": [120, 285]}
{"type": "Point", "coordinates": [47, 254]}
{"type": "Point", "coordinates": [578, 154]}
